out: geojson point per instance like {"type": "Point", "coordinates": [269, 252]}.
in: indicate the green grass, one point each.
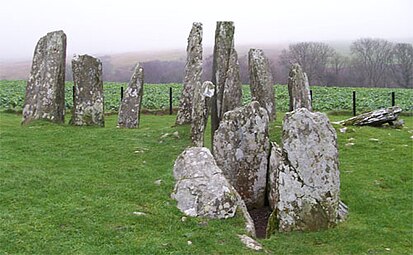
{"type": "Point", "coordinates": [73, 190]}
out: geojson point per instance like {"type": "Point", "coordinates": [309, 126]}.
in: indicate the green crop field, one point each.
{"type": "Point", "coordinates": [156, 97]}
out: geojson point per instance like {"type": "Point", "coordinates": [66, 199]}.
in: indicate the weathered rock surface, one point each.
{"type": "Point", "coordinates": [241, 149]}
{"type": "Point", "coordinates": [193, 73]}
{"type": "Point", "coordinates": [130, 108]}
{"type": "Point", "coordinates": [261, 81]}
{"type": "Point", "coordinates": [374, 118]}
{"type": "Point", "coordinates": [250, 243]}
{"type": "Point", "coordinates": [232, 96]}
{"type": "Point", "coordinates": [201, 189]}
{"type": "Point", "coordinates": [88, 108]}
{"type": "Point", "coordinates": [224, 46]}
{"type": "Point", "coordinates": [45, 91]}
{"type": "Point", "coordinates": [299, 89]}
{"type": "Point", "coordinates": [200, 110]}
{"type": "Point", "coordinates": [304, 176]}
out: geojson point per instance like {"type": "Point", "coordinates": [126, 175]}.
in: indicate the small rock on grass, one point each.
{"type": "Point", "coordinates": [139, 213]}
{"type": "Point", "coordinates": [250, 243]}
{"type": "Point", "coordinates": [158, 182]}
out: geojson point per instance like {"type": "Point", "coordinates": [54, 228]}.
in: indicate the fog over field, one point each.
{"type": "Point", "coordinates": [107, 27]}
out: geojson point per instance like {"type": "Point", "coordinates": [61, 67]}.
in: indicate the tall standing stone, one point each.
{"type": "Point", "coordinates": [241, 149]}
{"type": "Point", "coordinates": [261, 81]}
{"type": "Point", "coordinates": [45, 91]}
{"type": "Point", "coordinates": [299, 89]}
{"type": "Point", "coordinates": [224, 45]}
{"type": "Point", "coordinates": [193, 73]}
{"type": "Point", "coordinates": [130, 108]}
{"type": "Point", "coordinates": [88, 108]}
{"type": "Point", "coordinates": [200, 110]}
{"type": "Point", "coordinates": [304, 179]}
{"type": "Point", "coordinates": [232, 96]}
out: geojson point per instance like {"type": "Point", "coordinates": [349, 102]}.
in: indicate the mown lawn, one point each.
{"type": "Point", "coordinates": [75, 190]}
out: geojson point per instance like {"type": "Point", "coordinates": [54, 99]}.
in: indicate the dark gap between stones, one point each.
{"type": "Point", "coordinates": [260, 217]}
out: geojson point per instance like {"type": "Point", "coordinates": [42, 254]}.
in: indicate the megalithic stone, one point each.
{"type": "Point", "coordinates": [200, 110]}
{"type": "Point", "coordinates": [241, 150]}
{"type": "Point", "coordinates": [88, 105]}
{"type": "Point", "coordinates": [45, 91]}
{"type": "Point", "coordinates": [193, 73]}
{"type": "Point", "coordinates": [232, 95]}
{"type": "Point", "coordinates": [130, 108]}
{"type": "Point", "coordinates": [261, 81]}
{"type": "Point", "coordinates": [224, 45]}
{"type": "Point", "coordinates": [299, 89]}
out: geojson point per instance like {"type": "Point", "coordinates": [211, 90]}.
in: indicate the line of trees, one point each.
{"type": "Point", "coordinates": [371, 63]}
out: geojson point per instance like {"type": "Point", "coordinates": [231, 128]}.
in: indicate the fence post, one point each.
{"type": "Point", "coordinates": [170, 100]}
{"type": "Point", "coordinates": [354, 103]}
{"type": "Point", "coordinates": [121, 94]}
{"type": "Point", "coordinates": [393, 100]}
{"type": "Point", "coordinates": [73, 93]}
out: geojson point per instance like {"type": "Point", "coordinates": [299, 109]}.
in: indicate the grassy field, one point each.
{"type": "Point", "coordinates": [156, 97]}
{"type": "Point", "coordinates": [76, 190]}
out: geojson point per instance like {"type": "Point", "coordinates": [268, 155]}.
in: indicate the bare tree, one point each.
{"type": "Point", "coordinates": [402, 67]}
{"type": "Point", "coordinates": [313, 57]}
{"type": "Point", "coordinates": [371, 61]}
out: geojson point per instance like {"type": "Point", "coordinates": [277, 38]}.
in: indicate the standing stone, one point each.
{"type": "Point", "coordinates": [130, 108]}
{"type": "Point", "coordinates": [299, 89]}
{"type": "Point", "coordinates": [201, 189]}
{"type": "Point", "coordinates": [200, 109]}
{"type": "Point", "coordinates": [88, 98]}
{"type": "Point", "coordinates": [224, 45]}
{"type": "Point", "coordinates": [232, 96]}
{"type": "Point", "coordinates": [193, 73]}
{"type": "Point", "coordinates": [261, 81]}
{"type": "Point", "coordinates": [241, 148]}
{"type": "Point", "coordinates": [45, 91]}
{"type": "Point", "coordinates": [304, 179]}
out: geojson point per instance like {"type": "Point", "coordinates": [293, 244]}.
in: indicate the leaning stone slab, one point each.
{"type": "Point", "coordinates": [45, 91]}
{"type": "Point", "coordinates": [130, 108]}
{"type": "Point", "coordinates": [193, 73]}
{"type": "Point", "coordinates": [201, 189]}
{"type": "Point", "coordinates": [200, 110]}
{"type": "Point", "coordinates": [241, 148]}
{"type": "Point", "coordinates": [374, 118]}
{"type": "Point", "coordinates": [88, 97]}
{"type": "Point", "coordinates": [261, 81]}
{"type": "Point", "coordinates": [299, 89]}
{"type": "Point", "coordinates": [304, 176]}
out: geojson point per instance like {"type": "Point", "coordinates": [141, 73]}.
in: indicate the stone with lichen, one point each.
{"type": "Point", "coordinates": [298, 88]}
{"type": "Point", "coordinates": [193, 73]}
{"type": "Point", "coordinates": [130, 108]}
{"type": "Point", "coordinates": [88, 104]}
{"type": "Point", "coordinates": [45, 91]}
{"type": "Point", "coordinates": [200, 110]}
{"type": "Point", "coordinates": [261, 81]}
{"type": "Point", "coordinates": [241, 148]}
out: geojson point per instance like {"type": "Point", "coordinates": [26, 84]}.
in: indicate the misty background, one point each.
{"type": "Point", "coordinates": [122, 33]}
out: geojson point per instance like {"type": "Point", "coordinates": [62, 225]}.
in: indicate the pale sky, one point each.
{"type": "Point", "coordinates": [98, 27]}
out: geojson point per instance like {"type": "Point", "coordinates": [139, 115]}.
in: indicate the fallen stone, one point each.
{"type": "Point", "coordinates": [45, 90]}
{"type": "Point", "coordinates": [193, 72]}
{"type": "Point", "coordinates": [201, 189]}
{"type": "Point", "coordinates": [304, 176]}
{"type": "Point", "coordinates": [88, 104]}
{"type": "Point", "coordinates": [374, 118]}
{"type": "Point", "coordinates": [200, 110]}
{"type": "Point", "coordinates": [250, 243]}
{"type": "Point", "coordinates": [241, 149]}
{"type": "Point", "coordinates": [261, 81]}
{"type": "Point", "coordinates": [299, 89]}
{"type": "Point", "coordinates": [130, 107]}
